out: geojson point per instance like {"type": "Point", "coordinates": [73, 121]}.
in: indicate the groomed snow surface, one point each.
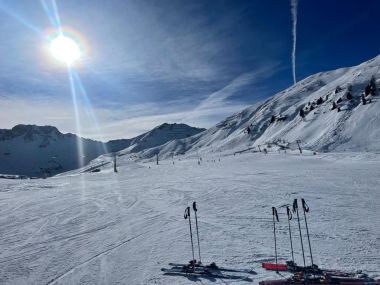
{"type": "Point", "coordinates": [122, 228]}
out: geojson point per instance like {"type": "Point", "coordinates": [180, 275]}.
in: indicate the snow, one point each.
{"type": "Point", "coordinates": [354, 129]}
{"type": "Point", "coordinates": [42, 150]}
{"type": "Point", "coordinates": [121, 228]}
{"type": "Point", "coordinates": [83, 227]}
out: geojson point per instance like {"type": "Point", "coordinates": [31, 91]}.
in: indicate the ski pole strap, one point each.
{"type": "Point", "coordinates": [195, 206]}
{"type": "Point", "coordinates": [289, 212]}
{"type": "Point", "coordinates": [305, 206]}
{"type": "Point", "coordinates": [274, 212]}
{"type": "Point", "coordinates": [295, 205]}
{"type": "Point", "coordinates": [187, 213]}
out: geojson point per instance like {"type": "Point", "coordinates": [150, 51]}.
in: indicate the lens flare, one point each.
{"type": "Point", "coordinates": [66, 45]}
{"type": "Point", "coordinates": [65, 49]}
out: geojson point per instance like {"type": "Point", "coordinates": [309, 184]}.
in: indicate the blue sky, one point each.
{"type": "Point", "coordinates": [150, 62]}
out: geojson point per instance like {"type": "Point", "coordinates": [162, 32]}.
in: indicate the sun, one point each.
{"type": "Point", "coordinates": [65, 49]}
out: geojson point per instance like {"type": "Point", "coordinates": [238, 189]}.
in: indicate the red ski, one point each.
{"type": "Point", "coordinates": [274, 266]}
{"type": "Point", "coordinates": [327, 278]}
{"type": "Point", "coordinates": [318, 282]}
{"type": "Point", "coordinates": [292, 267]}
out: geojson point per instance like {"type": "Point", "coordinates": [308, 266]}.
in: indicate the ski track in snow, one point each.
{"type": "Point", "coordinates": [107, 228]}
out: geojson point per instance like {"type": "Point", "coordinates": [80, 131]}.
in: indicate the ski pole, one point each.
{"type": "Point", "coordinates": [274, 214]}
{"type": "Point", "coordinates": [196, 224]}
{"type": "Point", "coordinates": [295, 210]}
{"type": "Point", "coordinates": [306, 210]}
{"type": "Point", "coordinates": [289, 212]}
{"type": "Point", "coordinates": [187, 215]}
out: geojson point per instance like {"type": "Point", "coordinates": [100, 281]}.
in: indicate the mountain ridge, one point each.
{"type": "Point", "coordinates": [43, 150]}
{"type": "Point", "coordinates": [333, 120]}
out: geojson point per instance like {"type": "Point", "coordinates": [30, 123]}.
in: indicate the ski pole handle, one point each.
{"type": "Point", "coordinates": [305, 206]}
{"type": "Point", "coordinates": [289, 213]}
{"type": "Point", "coordinates": [295, 205]}
{"type": "Point", "coordinates": [274, 213]}
{"type": "Point", "coordinates": [187, 213]}
{"type": "Point", "coordinates": [195, 206]}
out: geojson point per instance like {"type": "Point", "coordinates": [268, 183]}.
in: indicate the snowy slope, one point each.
{"type": "Point", "coordinates": [43, 150]}
{"type": "Point", "coordinates": [355, 128]}
{"type": "Point", "coordinates": [108, 228]}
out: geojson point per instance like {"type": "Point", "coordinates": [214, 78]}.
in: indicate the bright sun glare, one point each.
{"type": "Point", "coordinates": [65, 49]}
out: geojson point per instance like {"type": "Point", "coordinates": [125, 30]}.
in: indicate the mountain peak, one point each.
{"type": "Point", "coordinates": [21, 129]}
{"type": "Point", "coordinates": [175, 125]}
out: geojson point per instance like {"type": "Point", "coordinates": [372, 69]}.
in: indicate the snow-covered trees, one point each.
{"type": "Point", "coordinates": [367, 90]}
{"type": "Point", "coordinates": [372, 84]}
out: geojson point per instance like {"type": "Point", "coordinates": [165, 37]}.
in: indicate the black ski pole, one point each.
{"type": "Point", "coordinates": [274, 214]}
{"type": "Point", "coordinates": [295, 210]}
{"type": "Point", "coordinates": [196, 224]}
{"type": "Point", "coordinates": [289, 212]}
{"type": "Point", "coordinates": [187, 215]}
{"type": "Point", "coordinates": [306, 210]}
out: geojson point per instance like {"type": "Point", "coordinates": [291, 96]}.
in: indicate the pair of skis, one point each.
{"type": "Point", "coordinates": [207, 272]}
{"type": "Point", "coordinates": [210, 271]}
{"type": "Point", "coordinates": [188, 216]}
{"type": "Point", "coordinates": [282, 267]}
{"type": "Point", "coordinates": [212, 267]}
{"type": "Point", "coordinates": [194, 268]}
{"type": "Point", "coordinates": [197, 269]}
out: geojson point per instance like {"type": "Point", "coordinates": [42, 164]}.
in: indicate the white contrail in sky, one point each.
{"type": "Point", "coordinates": [293, 9]}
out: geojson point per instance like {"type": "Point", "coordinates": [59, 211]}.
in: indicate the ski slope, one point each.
{"type": "Point", "coordinates": [122, 228]}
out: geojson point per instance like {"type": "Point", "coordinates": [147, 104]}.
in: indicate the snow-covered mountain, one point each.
{"type": "Point", "coordinates": [336, 117]}
{"type": "Point", "coordinates": [43, 150]}
{"type": "Point", "coordinates": [156, 137]}
{"type": "Point", "coordinates": [328, 111]}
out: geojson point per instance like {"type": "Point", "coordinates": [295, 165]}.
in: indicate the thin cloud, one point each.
{"type": "Point", "coordinates": [220, 96]}
{"type": "Point", "coordinates": [129, 121]}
